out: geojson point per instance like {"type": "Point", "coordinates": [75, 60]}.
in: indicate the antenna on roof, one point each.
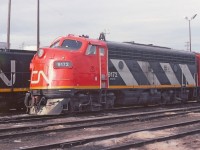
{"type": "Point", "coordinates": [102, 35]}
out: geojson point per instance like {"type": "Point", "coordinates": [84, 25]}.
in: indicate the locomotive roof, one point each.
{"type": "Point", "coordinates": [17, 51]}
{"type": "Point", "coordinates": [133, 51]}
{"type": "Point", "coordinates": [139, 47]}
{"type": "Point", "coordinates": [147, 48]}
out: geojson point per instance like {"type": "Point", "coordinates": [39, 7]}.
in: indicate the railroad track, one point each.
{"type": "Point", "coordinates": [35, 129]}
{"type": "Point", "coordinates": [99, 121]}
{"type": "Point", "coordinates": [130, 144]}
{"type": "Point", "coordinates": [27, 118]}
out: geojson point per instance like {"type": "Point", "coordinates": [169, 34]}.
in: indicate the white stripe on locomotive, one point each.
{"type": "Point", "coordinates": [186, 72]}
{"type": "Point", "coordinates": [12, 75]}
{"type": "Point", "coordinates": [125, 73]}
{"type": "Point", "coordinates": [148, 71]}
{"type": "Point", "coordinates": [169, 73]}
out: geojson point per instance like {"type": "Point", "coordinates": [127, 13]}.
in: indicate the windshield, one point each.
{"type": "Point", "coordinates": [56, 44]}
{"type": "Point", "coordinates": [71, 44]}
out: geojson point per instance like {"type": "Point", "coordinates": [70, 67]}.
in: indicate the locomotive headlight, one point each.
{"type": "Point", "coordinates": [40, 52]}
{"type": "Point", "coordinates": [62, 64]}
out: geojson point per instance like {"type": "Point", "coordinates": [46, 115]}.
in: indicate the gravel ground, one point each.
{"type": "Point", "coordinates": [186, 143]}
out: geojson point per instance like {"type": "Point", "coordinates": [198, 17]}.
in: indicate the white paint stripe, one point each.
{"type": "Point", "coordinates": [186, 72]}
{"type": "Point", "coordinates": [13, 69]}
{"type": "Point", "coordinates": [145, 66]}
{"type": "Point", "coordinates": [125, 73]}
{"type": "Point", "coordinates": [169, 73]}
{"type": "Point", "coordinates": [12, 75]}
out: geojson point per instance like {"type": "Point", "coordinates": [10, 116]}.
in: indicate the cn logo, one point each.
{"type": "Point", "coordinates": [39, 74]}
{"type": "Point", "coordinates": [12, 75]}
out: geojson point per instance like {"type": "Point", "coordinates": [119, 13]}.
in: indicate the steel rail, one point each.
{"type": "Point", "coordinates": [31, 118]}
{"type": "Point", "coordinates": [136, 115]}
{"type": "Point", "coordinates": [81, 125]}
{"type": "Point", "coordinates": [150, 141]}
{"type": "Point", "coordinates": [71, 143]}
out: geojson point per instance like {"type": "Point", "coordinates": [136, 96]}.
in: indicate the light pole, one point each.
{"type": "Point", "coordinates": [189, 20]}
{"type": "Point", "coordinates": [8, 26]}
{"type": "Point", "coordinates": [38, 24]}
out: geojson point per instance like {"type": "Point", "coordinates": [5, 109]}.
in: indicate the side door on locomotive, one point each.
{"type": "Point", "coordinates": [92, 76]}
{"type": "Point", "coordinates": [93, 70]}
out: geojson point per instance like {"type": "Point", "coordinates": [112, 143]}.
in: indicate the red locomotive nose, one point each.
{"type": "Point", "coordinates": [69, 68]}
{"type": "Point", "coordinates": [31, 66]}
{"type": "Point", "coordinates": [52, 69]}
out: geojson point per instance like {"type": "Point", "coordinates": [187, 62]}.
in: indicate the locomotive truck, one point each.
{"type": "Point", "coordinates": [77, 73]}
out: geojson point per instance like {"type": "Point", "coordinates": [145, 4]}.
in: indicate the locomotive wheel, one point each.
{"type": "Point", "coordinates": [109, 104]}
{"type": "Point", "coordinates": [71, 107]}
{"type": "Point", "coordinates": [198, 98]}
{"type": "Point", "coordinates": [74, 106]}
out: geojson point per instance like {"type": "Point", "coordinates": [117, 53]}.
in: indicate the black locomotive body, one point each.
{"type": "Point", "coordinates": [14, 77]}
{"type": "Point", "coordinates": [147, 74]}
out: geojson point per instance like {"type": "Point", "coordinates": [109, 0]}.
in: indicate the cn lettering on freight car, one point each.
{"type": "Point", "coordinates": [12, 75]}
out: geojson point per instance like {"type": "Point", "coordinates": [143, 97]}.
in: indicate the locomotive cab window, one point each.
{"type": "Point", "coordinates": [102, 51]}
{"type": "Point", "coordinates": [71, 44]}
{"type": "Point", "coordinates": [56, 44]}
{"type": "Point", "coordinates": [91, 50]}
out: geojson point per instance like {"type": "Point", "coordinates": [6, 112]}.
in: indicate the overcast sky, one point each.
{"type": "Point", "coordinates": [158, 22]}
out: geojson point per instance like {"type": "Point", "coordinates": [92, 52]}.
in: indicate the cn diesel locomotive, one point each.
{"type": "Point", "coordinates": [77, 73]}
{"type": "Point", "coordinates": [14, 77]}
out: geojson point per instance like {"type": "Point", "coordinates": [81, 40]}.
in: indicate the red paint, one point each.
{"type": "Point", "coordinates": [87, 71]}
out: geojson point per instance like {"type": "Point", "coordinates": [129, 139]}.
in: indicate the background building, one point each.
{"type": "Point", "coordinates": [3, 45]}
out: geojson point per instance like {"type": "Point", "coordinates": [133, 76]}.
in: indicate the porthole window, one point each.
{"type": "Point", "coordinates": [175, 68]}
{"type": "Point", "coordinates": [121, 65]}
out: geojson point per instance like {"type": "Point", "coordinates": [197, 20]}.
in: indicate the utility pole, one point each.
{"type": "Point", "coordinates": [8, 25]}
{"type": "Point", "coordinates": [38, 24]}
{"type": "Point", "coordinates": [187, 45]}
{"type": "Point", "coordinates": [189, 20]}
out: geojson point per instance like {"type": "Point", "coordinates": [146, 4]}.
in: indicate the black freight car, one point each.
{"type": "Point", "coordinates": [14, 77]}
